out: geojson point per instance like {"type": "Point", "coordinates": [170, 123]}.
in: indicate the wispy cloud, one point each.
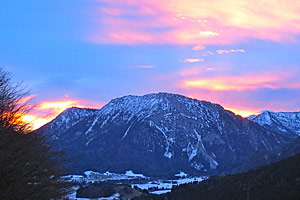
{"type": "Point", "coordinates": [207, 53]}
{"type": "Point", "coordinates": [195, 22]}
{"type": "Point", "coordinates": [230, 51]}
{"type": "Point", "coordinates": [26, 99]}
{"type": "Point", "coordinates": [198, 47]}
{"type": "Point", "coordinates": [193, 72]}
{"type": "Point", "coordinates": [190, 72]}
{"type": "Point", "coordinates": [193, 60]}
{"type": "Point", "coordinates": [209, 33]}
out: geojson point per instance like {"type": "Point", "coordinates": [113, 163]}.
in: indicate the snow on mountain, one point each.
{"type": "Point", "coordinates": [286, 122]}
{"type": "Point", "coordinates": [67, 119]}
{"type": "Point", "coordinates": [158, 134]}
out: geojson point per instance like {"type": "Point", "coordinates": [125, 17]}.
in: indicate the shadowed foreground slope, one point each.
{"type": "Point", "coordinates": [277, 181]}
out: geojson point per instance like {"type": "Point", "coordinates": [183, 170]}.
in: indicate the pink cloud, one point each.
{"type": "Point", "coordinates": [235, 102]}
{"type": "Point", "coordinates": [269, 80]}
{"type": "Point", "coordinates": [195, 22]}
{"type": "Point", "coordinates": [240, 102]}
{"type": "Point", "coordinates": [198, 47]}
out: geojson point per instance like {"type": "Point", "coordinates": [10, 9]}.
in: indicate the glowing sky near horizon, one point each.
{"type": "Point", "coordinates": [86, 52]}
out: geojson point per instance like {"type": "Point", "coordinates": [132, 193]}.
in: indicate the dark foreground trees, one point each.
{"type": "Point", "coordinates": [28, 168]}
{"type": "Point", "coordinates": [276, 181]}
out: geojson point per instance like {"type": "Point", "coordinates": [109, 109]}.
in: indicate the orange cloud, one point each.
{"type": "Point", "coordinates": [243, 112]}
{"type": "Point", "coordinates": [275, 80]}
{"type": "Point", "coordinates": [35, 121]}
{"type": "Point", "coordinates": [57, 105]}
{"type": "Point", "coordinates": [195, 22]}
{"type": "Point", "coordinates": [46, 111]}
{"type": "Point", "coordinates": [230, 51]}
{"type": "Point", "coordinates": [192, 60]}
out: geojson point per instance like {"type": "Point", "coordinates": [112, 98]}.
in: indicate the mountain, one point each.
{"type": "Point", "coordinates": [158, 135]}
{"type": "Point", "coordinates": [286, 122]}
{"type": "Point", "coordinates": [66, 120]}
{"type": "Point", "coordinates": [265, 157]}
{"type": "Point", "coordinates": [277, 181]}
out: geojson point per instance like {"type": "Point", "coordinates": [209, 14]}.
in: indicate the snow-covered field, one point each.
{"type": "Point", "coordinates": [154, 186]}
{"type": "Point", "coordinates": [164, 186]}
{"type": "Point", "coordinates": [90, 177]}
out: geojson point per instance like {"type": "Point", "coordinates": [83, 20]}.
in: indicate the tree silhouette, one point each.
{"type": "Point", "coordinates": [28, 167]}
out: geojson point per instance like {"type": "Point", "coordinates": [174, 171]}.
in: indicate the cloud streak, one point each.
{"type": "Point", "coordinates": [193, 60]}
{"type": "Point", "coordinates": [194, 22]}
{"type": "Point", "coordinates": [243, 82]}
{"type": "Point", "coordinates": [231, 51]}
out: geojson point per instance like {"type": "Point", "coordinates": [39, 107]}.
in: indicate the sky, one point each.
{"type": "Point", "coordinates": [244, 55]}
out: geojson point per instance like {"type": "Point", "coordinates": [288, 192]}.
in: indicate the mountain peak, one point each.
{"type": "Point", "coordinates": [153, 97]}
{"type": "Point", "coordinates": [286, 122]}
{"type": "Point", "coordinates": [159, 133]}
{"type": "Point", "coordinates": [151, 103]}
{"type": "Point", "coordinates": [70, 117]}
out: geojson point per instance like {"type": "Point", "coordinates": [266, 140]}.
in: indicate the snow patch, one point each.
{"type": "Point", "coordinates": [158, 192]}
{"type": "Point", "coordinates": [168, 184]}
{"type": "Point", "coordinates": [181, 174]}
{"type": "Point", "coordinates": [93, 124]}
{"type": "Point", "coordinates": [130, 173]}
{"type": "Point", "coordinates": [126, 132]}
{"type": "Point", "coordinates": [167, 153]}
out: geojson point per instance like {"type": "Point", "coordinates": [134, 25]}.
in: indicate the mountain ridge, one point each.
{"type": "Point", "coordinates": [159, 134]}
{"type": "Point", "coordinates": [285, 122]}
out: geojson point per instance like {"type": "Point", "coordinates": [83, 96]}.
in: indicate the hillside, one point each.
{"type": "Point", "coordinates": [277, 181]}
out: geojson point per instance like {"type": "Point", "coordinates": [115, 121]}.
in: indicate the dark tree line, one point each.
{"type": "Point", "coordinates": [276, 181]}
{"type": "Point", "coordinates": [28, 167]}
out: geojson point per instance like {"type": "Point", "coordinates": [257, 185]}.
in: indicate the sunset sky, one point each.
{"type": "Point", "coordinates": [244, 55]}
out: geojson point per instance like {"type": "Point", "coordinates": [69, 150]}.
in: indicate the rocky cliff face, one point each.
{"type": "Point", "coordinates": [158, 135]}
